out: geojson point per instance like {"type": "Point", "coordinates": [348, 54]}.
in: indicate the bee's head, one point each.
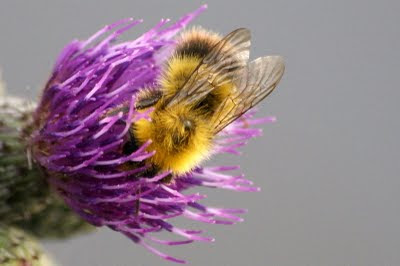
{"type": "Point", "coordinates": [175, 129]}
{"type": "Point", "coordinates": [180, 137]}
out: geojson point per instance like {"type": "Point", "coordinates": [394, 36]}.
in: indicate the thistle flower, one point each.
{"type": "Point", "coordinates": [78, 142]}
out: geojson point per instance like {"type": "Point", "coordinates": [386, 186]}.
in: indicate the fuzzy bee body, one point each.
{"type": "Point", "coordinates": [206, 84]}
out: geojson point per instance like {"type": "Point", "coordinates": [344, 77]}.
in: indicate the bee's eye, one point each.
{"type": "Point", "coordinates": [188, 125]}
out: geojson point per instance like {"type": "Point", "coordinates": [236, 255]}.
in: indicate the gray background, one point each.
{"type": "Point", "coordinates": [328, 168]}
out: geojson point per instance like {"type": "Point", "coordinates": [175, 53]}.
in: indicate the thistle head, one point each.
{"type": "Point", "coordinates": [81, 149]}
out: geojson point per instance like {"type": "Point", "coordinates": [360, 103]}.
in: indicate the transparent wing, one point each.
{"type": "Point", "coordinates": [227, 57]}
{"type": "Point", "coordinates": [255, 83]}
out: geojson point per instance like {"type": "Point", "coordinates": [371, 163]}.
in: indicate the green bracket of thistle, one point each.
{"type": "Point", "coordinates": [23, 191]}
{"type": "Point", "coordinates": [25, 197]}
{"type": "Point", "coordinates": [27, 204]}
{"type": "Point", "coordinates": [17, 248]}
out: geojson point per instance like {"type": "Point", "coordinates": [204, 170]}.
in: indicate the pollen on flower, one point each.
{"type": "Point", "coordinates": [80, 148]}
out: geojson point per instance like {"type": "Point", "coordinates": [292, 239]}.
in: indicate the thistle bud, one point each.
{"type": "Point", "coordinates": [19, 249]}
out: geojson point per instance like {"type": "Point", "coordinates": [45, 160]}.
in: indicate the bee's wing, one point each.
{"type": "Point", "coordinates": [255, 83]}
{"type": "Point", "coordinates": [227, 57]}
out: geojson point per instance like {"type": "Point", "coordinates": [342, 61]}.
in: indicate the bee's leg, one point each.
{"type": "Point", "coordinates": [131, 145]}
{"type": "Point", "coordinates": [137, 202]}
{"type": "Point", "coordinates": [245, 122]}
{"type": "Point", "coordinates": [137, 207]}
{"type": "Point", "coordinates": [148, 98]}
{"type": "Point", "coordinates": [154, 170]}
{"type": "Point", "coordinates": [115, 111]}
{"type": "Point", "coordinates": [151, 171]}
{"type": "Point", "coordinates": [167, 179]}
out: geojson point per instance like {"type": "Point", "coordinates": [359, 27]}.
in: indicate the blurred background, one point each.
{"type": "Point", "coordinates": [328, 169]}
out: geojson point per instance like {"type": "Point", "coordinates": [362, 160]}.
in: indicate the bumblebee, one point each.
{"type": "Point", "coordinates": [205, 85]}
